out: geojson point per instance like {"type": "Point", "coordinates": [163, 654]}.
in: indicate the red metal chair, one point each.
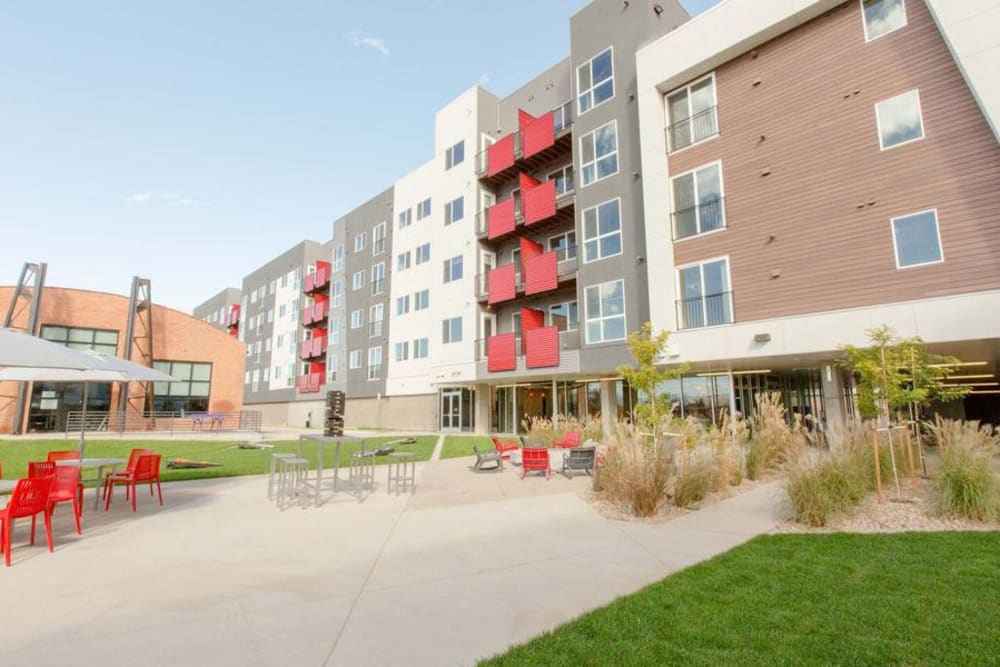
{"type": "Point", "coordinates": [147, 469]}
{"type": "Point", "coordinates": [535, 458]}
{"type": "Point", "coordinates": [63, 455]}
{"type": "Point", "coordinates": [66, 489]}
{"type": "Point", "coordinates": [570, 440]}
{"type": "Point", "coordinates": [504, 446]}
{"type": "Point", "coordinates": [122, 475]}
{"type": "Point", "coordinates": [41, 469]}
{"type": "Point", "coordinates": [30, 498]}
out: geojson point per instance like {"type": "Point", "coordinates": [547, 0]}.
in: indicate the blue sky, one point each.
{"type": "Point", "coordinates": [190, 141]}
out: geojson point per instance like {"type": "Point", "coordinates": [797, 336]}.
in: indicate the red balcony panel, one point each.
{"type": "Point", "coordinates": [530, 249]}
{"type": "Point", "coordinates": [500, 155]}
{"type": "Point", "coordinates": [539, 203]}
{"type": "Point", "coordinates": [501, 283]}
{"type": "Point", "coordinates": [304, 384]}
{"type": "Point", "coordinates": [318, 347]}
{"type": "Point", "coordinates": [541, 273]}
{"type": "Point", "coordinates": [542, 347]}
{"type": "Point", "coordinates": [322, 278]}
{"type": "Point", "coordinates": [524, 119]}
{"type": "Point", "coordinates": [315, 382]}
{"type": "Point", "coordinates": [320, 310]}
{"type": "Point", "coordinates": [538, 135]}
{"type": "Point", "coordinates": [531, 319]}
{"type": "Point", "coordinates": [501, 353]}
{"type": "Point", "coordinates": [308, 285]}
{"type": "Point", "coordinates": [500, 218]}
{"type": "Point", "coordinates": [305, 349]}
{"type": "Point", "coordinates": [526, 182]}
{"type": "Point", "coordinates": [307, 316]}
{"type": "Point", "coordinates": [234, 331]}
{"type": "Point", "coordinates": [234, 315]}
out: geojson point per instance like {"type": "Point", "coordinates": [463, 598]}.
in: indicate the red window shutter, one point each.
{"type": "Point", "coordinates": [500, 155]}
{"type": "Point", "coordinates": [500, 218]}
{"type": "Point", "coordinates": [501, 353]}
{"type": "Point", "coordinates": [539, 202]}
{"type": "Point", "coordinates": [538, 135]}
{"type": "Point", "coordinates": [542, 347]}
{"type": "Point", "coordinates": [501, 284]}
{"type": "Point", "coordinates": [540, 273]}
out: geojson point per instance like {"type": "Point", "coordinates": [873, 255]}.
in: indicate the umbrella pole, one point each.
{"type": "Point", "coordinates": [83, 419]}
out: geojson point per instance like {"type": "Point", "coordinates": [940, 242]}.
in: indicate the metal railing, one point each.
{"type": "Point", "coordinates": [562, 123]}
{"type": "Point", "coordinates": [704, 217]}
{"type": "Point", "coordinates": [705, 311]}
{"type": "Point", "coordinates": [569, 339]}
{"type": "Point", "coordinates": [161, 421]}
{"type": "Point", "coordinates": [683, 133]}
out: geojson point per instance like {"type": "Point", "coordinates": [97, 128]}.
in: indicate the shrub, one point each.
{"type": "Point", "coordinates": [820, 489]}
{"type": "Point", "coordinates": [966, 484]}
{"type": "Point", "coordinates": [637, 472]}
{"type": "Point", "coordinates": [728, 440]}
{"type": "Point", "coordinates": [545, 430]}
{"type": "Point", "coordinates": [774, 443]}
{"type": "Point", "coordinates": [696, 471]}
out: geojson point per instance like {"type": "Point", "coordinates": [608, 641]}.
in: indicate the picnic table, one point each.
{"type": "Point", "coordinates": [214, 420]}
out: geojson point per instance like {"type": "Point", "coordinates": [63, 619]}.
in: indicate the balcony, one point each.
{"type": "Point", "coordinates": [544, 350]}
{"type": "Point", "coordinates": [496, 286]}
{"type": "Point", "coordinates": [538, 141]}
{"type": "Point", "coordinates": [689, 131]}
{"type": "Point", "coordinates": [318, 280]}
{"type": "Point", "coordinates": [312, 348]}
{"type": "Point", "coordinates": [705, 311]}
{"type": "Point", "coordinates": [320, 311]}
{"type": "Point", "coordinates": [540, 207]}
{"type": "Point", "coordinates": [705, 217]}
{"type": "Point", "coordinates": [233, 318]}
{"type": "Point", "coordinates": [310, 383]}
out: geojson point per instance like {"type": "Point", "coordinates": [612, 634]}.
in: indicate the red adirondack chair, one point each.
{"type": "Point", "coordinates": [66, 488]}
{"type": "Point", "coordinates": [30, 498]}
{"type": "Point", "coordinates": [570, 440]}
{"type": "Point", "coordinates": [505, 446]}
{"type": "Point", "coordinates": [147, 469]}
{"type": "Point", "coordinates": [535, 458]}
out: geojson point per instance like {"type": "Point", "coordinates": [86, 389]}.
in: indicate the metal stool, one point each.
{"type": "Point", "coordinates": [292, 473]}
{"type": "Point", "coordinates": [362, 471]}
{"type": "Point", "coordinates": [274, 470]}
{"type": "Point", "coordinates": [401, 472]}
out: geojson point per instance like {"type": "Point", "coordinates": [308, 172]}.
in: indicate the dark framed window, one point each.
{"type": "Point", "coordinates": [189, 392]}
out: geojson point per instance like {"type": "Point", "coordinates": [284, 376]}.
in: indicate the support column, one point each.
{"type": "Point", "coordinates": [482, 408]}
{"type": "Point", "coordinates": [609, 408]}
{"type": "Point", "coordinates": [833, 391]}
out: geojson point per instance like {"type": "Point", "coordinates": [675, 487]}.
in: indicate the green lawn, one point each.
{"type": "Point", "coordinates": [905, 599]}
{"type": "Point", "coordinates": [461, 445]}
{"type": "Point", "coordinates": [15, 454]}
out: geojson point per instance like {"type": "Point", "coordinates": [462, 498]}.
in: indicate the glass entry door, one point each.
{"type": "Point", "coordinates": [451, 409]}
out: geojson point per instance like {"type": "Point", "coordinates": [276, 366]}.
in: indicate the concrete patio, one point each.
{"type": "Point", "coordinates": [468, 565]}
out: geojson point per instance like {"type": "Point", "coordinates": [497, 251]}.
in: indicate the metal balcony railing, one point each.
{"type": "Point", "coordinates": [562, 123]}
{"type": "Point", "coordinates": [698, 127]}
{"type": "Point", "coordinates": [705, 311]}
{"type": "Point", "coordinates": [707, 216]}
{"type": "Point", "coordinates": [569, 339]}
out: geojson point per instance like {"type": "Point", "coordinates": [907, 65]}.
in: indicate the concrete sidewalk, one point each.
{"type": "Point", "coordinates": [468, 565]}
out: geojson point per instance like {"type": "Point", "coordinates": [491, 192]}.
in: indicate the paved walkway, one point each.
{"type": "Point", "coordinates": [468, 565]}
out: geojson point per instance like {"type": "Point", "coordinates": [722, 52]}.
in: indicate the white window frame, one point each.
{"type": "Point", "coordinates": [378, 278]}
{"type": "Point", "coordinates": [679, 291]}
{"type": "Point", "coordinates": [338, 258]}
{"type": "Point", "coordinates": [450, 268]}
{"type": "Point", "coordinates": [461, 330]}
{"type": "Point", "coordinates": [560, 113]}
{"type": "Point", "coordinates": [375, 362]}
{"type": "Point", "coordinates": [405, 218]}
{"type": "Point", "coordinates": [403, 261]}
{"type": "Point", "coordinates": [561, 172]}
{"type": "Point", "coordinates": [895, 245]}
{"type": "Point", "coordinates": [621, 240]}
{"type": "Point", "coordinates": [403, 304]}
{"type": "Point", "coordinates": [359, 242]}
{"type": "Point", "coordinates": [357, 280]}
{"type": "Point", "coordinates": [920, 114]}
{"type": "Point", "coordinates": [423, 253]}
{"type": "Point", "coordinates": [354, 360]}
{"type": "Point", "coordinates": [569, 323]}
{"type": "Point", "coordinates": [403, 350]}
{"type": "Point", "coordinates": [421, 348]}
{"type": "Point", "coordinates": [417, 300]}
{"type": "Point", "coordinates": [715, 108]}
{"type": "Point", "coordinates": [449, 155]}
{"type": "Point", "coordinates": [590, 91]}
{"type": "Point", "coordinates": [337, 293]}
{"type": "Point", "coordinates": [864, 22]}
{"type": "Point", "coordinates": [574, 248]}
{"type": "Point", "coordinates": [592, 135]}
{"type": "Point", "coordinates": [421, 213]}
{"type": "Point", "coordinates": [449, 211]}
{"type": "Point", "coordinates": [357, 318]}
{"type": "Point", "coordinates": [694, 180]}
{"type": "Point", "coordinates": [378, 239]}
{"type": "Point", "coordinates": [601, 318]}
{"type": "Point", "coordinates": [376, 320]}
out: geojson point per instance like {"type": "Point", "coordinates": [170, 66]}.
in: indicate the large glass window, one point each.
{"type": "Point", "coordinates": [374, 363]}
{"type": "Point", "coordinates": [378, 239]}
{"type": "Point", "coordinates": [454, 210]}
{"type": "Point", "coordinates": [190, 391]}
{"type": "Point", "coordinates": [564, 245]}
{"type": "Point", "coordinates": [595, 81]}
{"type": "Point", "coordinates": [705, 296]}
{"type": "Point", "coordinates": [405, 218]}
{"type": "Point", "coordinates": [899, 120]}
{"type": "Point", "coordinates": [564, 180]}
{"type": "Point", "coordinates": [424, 209]}
{"type": "Point", "coordinates": [424, 253]}
{"type": "Point", "coordinates": [917, 239]}
{"type": "Point", "coordinates": [698, 201]}
{"type": "Point", "coordinates": [403, 261]}
{"type": "Point", "coordinates": [691, 114]}
{"type": "Point", "coordinates": [77, 338]}
{"type": "Point", "coordinates": [564, 316]}
{"type": "Point", "coordinates": [358, 280]}
{"type": "Point", "coordinates": [605, 311]}
{"type": "Point", "coordinates": [338, 258]}
{"type": "Point", "coordinates": [599, 153]}
{"type": "Point", "coordinates": [359, 242]}
{"type": "Point", "coordinates": [420, 347]}
{"type": "Point", "coordinates": [422, 300]}
{"type": "Point", "coordinates": [454, 155]}
{"type": "Point", "coordinates": [602, 231]}
{"type": "Point", "coordinates": [882, 17]}
{"type": "Point", "coordinates": [337, 293]}
{"type": "Point", "coordinates": [378, 278]}
{"type": "Point", "coordinates": [354, 360]}
{"type": "Point", "coordinates": [562, 116]}
{"type": "Point", "coordinates": [453, 269]}
{"type": "Point", "coordinates": [403, 351]}
{"type": "Point", "coordinates": [403, 305]}
{"type": "Point", "coordinates": [451, 330]}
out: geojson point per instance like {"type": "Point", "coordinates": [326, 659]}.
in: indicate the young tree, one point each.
{"type": "Point", "coordinates": [644, 375]}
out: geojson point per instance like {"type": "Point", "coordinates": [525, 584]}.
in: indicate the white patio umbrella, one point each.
{"type": "Point", "coordinates": [21, 349]}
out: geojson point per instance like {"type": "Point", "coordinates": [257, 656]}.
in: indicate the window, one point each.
{"type": "Point", "coordinates": [297, 282]}
{"type": "Point", "coordinates": [917, 239]}
{"type": "Point", "coordinates": [420, 348]}
{"type": "Point", "coordinates": [606, 312]}
{"type": "Point", "coordinates": [424, 253]}
{"type": "Point", "coordinates": [691, 114]}
{"type": "Point", "coordinates": [403, 351]}
{"type": "Point", "coordinates": [357, 319]}
{"type": "Point", "coordinates": [698, 201]}
{"type": "Point", "coordinates": [267, 344]}
{"type": "Point", "coordinates": [424, 209]}
{"type": "Point", "coordinates": [595, 81]}
{"type": "Point", "coordinates": [454, 155]}
{"type": "Point", "coordinates": [331, 368]}
{"type": "Point", "coordinates": [564, 316]}
{"type": "Point", "coordinates": [599, 153]}
{"type": "Point", "coordinates": [378, 278]}
{"type": "Point", "coordinates": [453, 269]}
{"type": "Point", "coordinates": [280, 343]}
{"type": "Point", "coordinates": [358, 280]}
{"type": "Point", "coordinates": [359, 242]}
{"type": "Point", "coordinates": [376, 315]}
{"type": "Point", "coordinates": [282, 310]}
{"type": "Point", "coordinates": [705, 299]}
{"type": "Point", "coordinates": [405, 218]}
{"type": "Point", "coordinates": [403, 305]}
{"type": "Point", "coordinates": [403, 261]}
{"type": "Point", "coordinates": [562, 116]}
{"type": "Point", "coordinates": [253, 296]}
{"type": "Point", "coordinates": [83, 339]}
{"type": "Point", "coordinates": [273, 287]}
{"type": "Point", "coordinates": [337, 294]}
{"type": "Point", "coordinates": [354, 360]}
{"type": "Point", "coordinates": [563, 179]}
{"type": "Point", "coordinates": [374, 363]}
{"type": "Point", "coordinates": [882, 17]}
{"type": "Point", "coordinates": [284, 280]}
{"type": "Point", "coordinates": [191, 389]}
{"type": "Point", "coordinates": [451, 330]}
{"type": "Point", "coordinates": [333, 331]}
{"type": "Point", "coordinates": [454, 210]}
{"type": "Point", "coordinates": [270, 315]}
{"type": "Point", "coordinates": [378, 239]}
{"type": "Point", "coordinates": [564, 245]}
{"type": "Point", "coordinates": [422, 300]}
{"type": "Point", "coordinates": [602, 235]}
{"type": "Point", "coordinates": [899, 120]}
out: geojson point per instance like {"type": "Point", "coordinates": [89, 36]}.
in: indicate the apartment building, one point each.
{"type": "Point", "coordinates": [815, 169]}
{"type": "Point", "coordinates": [222, 310]}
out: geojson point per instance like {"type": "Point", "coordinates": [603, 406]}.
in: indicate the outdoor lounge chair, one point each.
{"type": "Point", "coordinates": [535, 458]}
{"type": "Point", "coordinates": [579, 458]}
{"type": "Point", "coordinates": [569, 440]}
{"type": "Point", "coordinates": [486, 457]}
{"type": "Point", "coordinates": [504, 446]}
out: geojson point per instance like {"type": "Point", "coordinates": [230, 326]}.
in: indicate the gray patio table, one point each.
{"type": "Point", "coordinates": [100, 464]}
{"type": "Point", "coordinates": [322, 442]}
{"type": "Point", "coordinates": [7, 485]}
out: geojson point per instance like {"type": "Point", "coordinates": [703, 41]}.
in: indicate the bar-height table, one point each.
{"type": "Point", "coordinates": [100, 464]}
{"type": "Point", "coordinates": [322, 442]}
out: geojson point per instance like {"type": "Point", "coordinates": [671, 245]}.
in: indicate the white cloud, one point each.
{"type": "Point", "coordinates": [368, 40]}
{"type": "Point", "coordinates": [143, 198]}
{"type": "Point", "coordinates": [140, 198]}
{"type": "Point", "coordinates": [484, 79]}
